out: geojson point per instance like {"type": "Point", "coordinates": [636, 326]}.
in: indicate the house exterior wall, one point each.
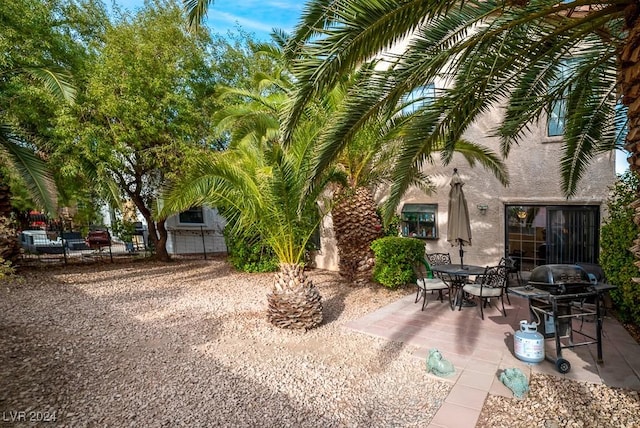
{"type": "Point", "coordinates": [534, 178]}
{"type": "Point", "coordinates": [197, 238]}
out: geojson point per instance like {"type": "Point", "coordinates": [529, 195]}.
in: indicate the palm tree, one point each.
{"type": "Point", "coordinates": [261, 187]}
{"type": "Point", "coordinates": [365, 158]}
{"type": "Point", "coordinates": [196, 11]}
{"type": "Point", "coordinates": [494, 54]}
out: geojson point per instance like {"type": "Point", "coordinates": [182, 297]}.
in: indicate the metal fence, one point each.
{"type": "Point", "coordinates": [73, 247]}
{"type": "Point", "coordinates": [41, 247]}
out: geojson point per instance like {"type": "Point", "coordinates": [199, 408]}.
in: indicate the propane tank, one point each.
{"type": "Point", "coordinates": [528, 343]}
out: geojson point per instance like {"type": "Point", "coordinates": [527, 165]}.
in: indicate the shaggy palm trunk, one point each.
{"type": "Point", "coordinates": [9, 245]}
{"type": "Point", "coordinates": [356, 225]}
{"type": "Point", "coordinates": [294, 302]}
{"type": "Point", "coordinates": [629, 83]}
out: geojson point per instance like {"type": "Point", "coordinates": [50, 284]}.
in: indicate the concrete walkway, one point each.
{"type": "Point", "coordinates": [480, 350]}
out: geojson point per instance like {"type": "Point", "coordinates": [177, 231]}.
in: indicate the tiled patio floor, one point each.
{"type": "Point", "coordinates": [480, 350]}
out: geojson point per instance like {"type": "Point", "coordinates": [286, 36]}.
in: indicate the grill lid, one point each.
{"type": "Point", "coordinates": [559, 274]}
{"type": "Point", "coordinates": [560, 278]}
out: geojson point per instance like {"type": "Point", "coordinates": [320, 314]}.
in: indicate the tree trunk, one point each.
{"type": "Point", "coordinates": [629, 84]}
{"type": "Point", "coordinates": [294, 302]}
{"type": "Point", "coordinates": [9, 244]}
{"type": "Point", "coordinates": [356, 224]}
{"type": "Point", "coordinates": [157, 230]}
{"type": "Point", "coordinates": [158, 236]}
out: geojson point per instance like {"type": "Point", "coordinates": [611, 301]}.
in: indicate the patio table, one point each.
{"type": "Point", "coordinates": [459, 276]}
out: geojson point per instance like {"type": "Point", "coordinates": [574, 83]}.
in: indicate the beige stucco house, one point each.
{"type": "Point", "coordinates": [530, 219]}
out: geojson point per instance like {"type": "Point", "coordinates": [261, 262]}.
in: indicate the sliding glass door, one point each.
{"type": "Point", "coordinates": [545, 234]}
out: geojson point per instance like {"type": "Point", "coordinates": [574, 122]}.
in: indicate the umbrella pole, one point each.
{"type": "Point", "coordinates": [461, 254]}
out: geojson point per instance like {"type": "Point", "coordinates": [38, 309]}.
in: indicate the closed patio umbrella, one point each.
{"type": "Point", "coordinates": [458, 224]}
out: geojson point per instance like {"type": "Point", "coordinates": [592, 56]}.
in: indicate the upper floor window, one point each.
{"type": "Point", "coordinates": [556, 121]}
{"type": "Point", "coordinates": [418, 97]}
{"type": "Point", "coordinates": [193, 215]}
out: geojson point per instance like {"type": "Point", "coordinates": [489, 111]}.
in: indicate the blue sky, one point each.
{"type": "Point", "coordinates": [253, 16]}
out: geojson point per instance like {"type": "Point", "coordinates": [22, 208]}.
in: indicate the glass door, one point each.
{"type": "Point", "coordinates": [539, 234]}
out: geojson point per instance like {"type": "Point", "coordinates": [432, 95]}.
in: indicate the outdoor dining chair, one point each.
{"type": "Point", "coordinates": [512, 268]}
{"type": "Point", "coordinates": [491, 284]}
{"type": "Point", "coordinates": [426, 282]}
{"type": "Point", "coordinates": [439, 258]}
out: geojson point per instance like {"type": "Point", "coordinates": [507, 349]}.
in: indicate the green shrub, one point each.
{"type": "Point", "coordinates": [618, 234]}
{"type": "Point", "coordinates": [392, 228]}
{"type": "Point", "coordinates": [394, 257]}
{"type": "Point", "coordinates": [6, 269]}
{"type": "Point", "coordinates": [251, 254]}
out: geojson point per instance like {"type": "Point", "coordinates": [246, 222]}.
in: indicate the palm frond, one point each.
{"type": "Point", "coordinates": [32, 170]}
{"type": "Point", "coordinates": [57, 81]}
{"type": "Point", "coordinates": [196, 12]}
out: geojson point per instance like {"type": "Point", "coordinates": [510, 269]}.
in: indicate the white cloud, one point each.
{"type": "Point", "coordinates": [244, 22]}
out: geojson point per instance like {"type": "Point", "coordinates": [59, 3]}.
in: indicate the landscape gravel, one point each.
{"type": "Point", "coordinates": [187, 344]}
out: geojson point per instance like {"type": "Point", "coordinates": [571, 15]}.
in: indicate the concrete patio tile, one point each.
{"type": "Point", "coordinates": [481, 349]}
{"type": "Point", "coordinates": [481, 366]}
{"type": "Point", "coordinates": [492, 355]}
{"type": "Point", "coordinates": [467, 396]}
{"type": "Point", "coordinates": [481, 381]}
{"type": "Point", "coordinates": [454, 416]}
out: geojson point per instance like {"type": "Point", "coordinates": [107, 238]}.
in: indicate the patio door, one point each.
{"type": "Point", "coordinates": [572, 235]}
{"type": "Point", "coordinates": [545, 234]}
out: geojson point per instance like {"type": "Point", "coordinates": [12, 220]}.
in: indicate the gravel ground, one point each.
{"type": "Point", "coordinates": [187, 344]}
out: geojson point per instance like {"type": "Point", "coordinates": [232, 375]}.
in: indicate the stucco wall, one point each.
{"type": "Point", "coordinates": [534, 178]}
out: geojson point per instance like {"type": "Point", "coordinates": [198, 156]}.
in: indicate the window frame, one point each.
{"type": "Point", "coordinates": [197, 212]}
{"type": "Point", "coordinates": [421, 226]}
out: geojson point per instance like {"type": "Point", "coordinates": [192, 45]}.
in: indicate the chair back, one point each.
{"type": "Point", "coordinates": [510, 263]}
{"type": "Point", "coordinates": [422, 270]}
{"type": "Point", "coordinates": [495, 276]}
{"type": "Point", "coordinates": [439, 258]}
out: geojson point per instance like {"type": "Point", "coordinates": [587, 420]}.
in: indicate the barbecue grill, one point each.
{"type": "Point", "coordinates": [558, 296]}
{"type": "Point", "coordinates": [560, 279]}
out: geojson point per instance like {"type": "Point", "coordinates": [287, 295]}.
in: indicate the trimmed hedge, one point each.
{"type": "Point", "coordinates": [394, 259]}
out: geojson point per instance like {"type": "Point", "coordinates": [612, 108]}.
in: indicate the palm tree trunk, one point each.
{"type": "Point", "coordinates": [629, 83]}
{"type": "Point", "coordinates": [294, 302]}
{"type": "Point", "coordinates": [356, 224]}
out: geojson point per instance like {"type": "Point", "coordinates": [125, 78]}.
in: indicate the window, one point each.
{"type": "Point", "coordinates": [193, 215]}
{"type": "Point", "coordinates": [558, 113]}
{"type": "Point", "coordinates": [555, 124]}
{"type": "Point", "coordinates": [419, 221]}
{"type": "Point", "coordinates": [418, 97]}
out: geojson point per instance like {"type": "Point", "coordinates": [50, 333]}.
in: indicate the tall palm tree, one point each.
{"type": "Point", "coordinates": [365, 158]}
{"type": "Point", "coordinates": [494, 54]}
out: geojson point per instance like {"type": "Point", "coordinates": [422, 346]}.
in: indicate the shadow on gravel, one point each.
{"type": "Point", "coordinates": [93, 364]}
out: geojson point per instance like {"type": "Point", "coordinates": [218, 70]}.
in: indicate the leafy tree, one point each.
{"type": "Point", "coordinates": [34, 80]}
{"type": "Point", "coordinates": [143, 112]}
